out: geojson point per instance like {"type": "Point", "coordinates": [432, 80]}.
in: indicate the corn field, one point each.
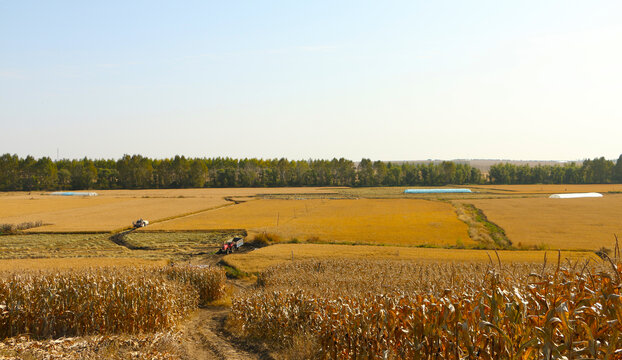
{"type": "Point", "coordinates": [438, 311]}
{"type": "Point", "coordinates": [101, 300]}
{"type": "Point", "coordinates": [208, 281]}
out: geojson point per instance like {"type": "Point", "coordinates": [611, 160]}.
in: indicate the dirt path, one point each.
{"type": "Point", "coordinates": [203, 338]}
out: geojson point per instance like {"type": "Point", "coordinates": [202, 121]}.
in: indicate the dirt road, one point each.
{"type": "Point", "coordinates": [205, 335]}
{"type": "Point", "coordinates": [203, 340]}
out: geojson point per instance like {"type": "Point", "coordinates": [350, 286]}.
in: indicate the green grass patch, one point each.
{"type": "Point", "coordinates": [494, 231]}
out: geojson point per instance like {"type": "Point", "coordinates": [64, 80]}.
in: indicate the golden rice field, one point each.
{"type": "Point", "coordinates": [547, 189]}
{"type": "Point", "coordinates": [98, 213]}
{"type": "Point", "coordinates": [260, 259]}
{"type": "Point", "coordinates": [376, 221]}
{"type": "Point", "coordinates": [567, 224]}
{"type": "Point", "coordinates": [116, 209]}
{"type": "Point", "coordinates": [587, 223]}
{"type": "Point", "coordinates": [172, 193]}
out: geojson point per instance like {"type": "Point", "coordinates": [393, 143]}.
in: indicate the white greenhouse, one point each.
{"type": "Point", "coordinates": [576, 195]}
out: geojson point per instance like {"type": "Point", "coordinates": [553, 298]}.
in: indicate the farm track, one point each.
{"type": "Point", "coordinates": [206, 337]}
{"type": "Point", "coordinates": [118, 237]}
{"type": "Point", "coordinates": [232, 202]}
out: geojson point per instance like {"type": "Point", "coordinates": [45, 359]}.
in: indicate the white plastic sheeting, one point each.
{"type": "Point", "coordinates": [576, 195]}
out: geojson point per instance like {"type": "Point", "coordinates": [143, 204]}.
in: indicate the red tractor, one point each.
{"type": "Point", "coordinates": [231, 245]}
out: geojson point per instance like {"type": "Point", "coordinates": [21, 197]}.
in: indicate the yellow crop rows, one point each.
{"type": "Point", "coordinates": [380, 221]}
{"type": "Point", "coordinates": [261, 259]}
{"type": "Point", "coordinates": [587, 223]}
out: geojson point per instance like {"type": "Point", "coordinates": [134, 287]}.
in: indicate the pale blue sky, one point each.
{"type": "Point", "coordinates": [389, 80]}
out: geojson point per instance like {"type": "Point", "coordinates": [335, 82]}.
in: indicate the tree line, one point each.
{"type": "Point", "coordinates": [138, 172]}
{"type": "Point", "coordinates": [595, 171]}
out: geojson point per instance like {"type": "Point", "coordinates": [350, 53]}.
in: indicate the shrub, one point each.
{"type": "Point", "coordinates": [10, 229]}
{"type": "Point", "coordinates": [265, 239]}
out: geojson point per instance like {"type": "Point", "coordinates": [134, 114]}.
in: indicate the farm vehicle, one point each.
{"type": "Point", "coordinates": [231, 245]}
{"type": "Point", "coordinates": [140, 223]}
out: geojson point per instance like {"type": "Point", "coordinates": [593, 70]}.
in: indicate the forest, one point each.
{"type": "Point", "coordinates": [138, 172]}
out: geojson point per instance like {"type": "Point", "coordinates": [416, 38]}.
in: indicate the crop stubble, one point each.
{"type": "Point", "coordinates": [116, 209]}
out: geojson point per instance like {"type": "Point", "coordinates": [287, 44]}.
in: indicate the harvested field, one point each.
{"type": "Point", "coordinates": [17, 206]}
{"type": "Point", "coordinates": [180, 193]}
{"type": "Point", "coordinates": [59, 245]}
{"type": "Point", "coordinates": [479, 191]}
{"type": "Point", "coordinates": [176, 244]}
{"type": "Point", "coordinates": [99, 213]}
{"type": "Point", "coordinates": [116, 209]}
{"type": "Point", "coordinates": [377, 221]}
{"type": "Point", "coordinates": [585, 223]}
{"type": "Point", "coordinates": [398, 193]}
{"type": "Point", "coordinates": [260, 259]}
{"type": "Point", "coordinates": [143, 245]}
{"type": "Point", "coordinates": [546, 189]}
{"type": "Point", "coordinates": [217, 192]}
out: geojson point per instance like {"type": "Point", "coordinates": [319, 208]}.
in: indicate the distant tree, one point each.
{"type": "Point", "coordinates": [380, 173]}
{"type": "Point", "coordinates": [107, 178]}
{"type": "Point", "coordinates": [9, 172]}
{"type": "Point", "coordinates": [27, 178]}
{"type": "Point", "coordinates": [475, 177]}
{"type": "Point", "coordinates": [449, 172]}
{"type": "Point", "coordinates": [394, 176]}
{"type": "Point", "coordinates": [135, 172]}
{"type": "Point", "coordinates": [64, 179]}
{"type": "Point", "coordinates": [46, 174]}
{"type": "Point", "coordinates": [598, 171]}
{"type": "Point", "coordinates": [83, 174]}
{"type": "Point", "coordinates": [365, 173]}
{"type": "Point", "coordinates": [617, 170]}
{"type": "Point", "coordinates": [197, 174]}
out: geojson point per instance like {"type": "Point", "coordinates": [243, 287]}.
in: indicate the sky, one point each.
{"type": "Point", "coordinates": [386, 80]}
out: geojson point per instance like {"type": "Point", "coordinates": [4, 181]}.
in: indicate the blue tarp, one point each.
{"type": "Point", "coordinates": [435, 191]}
{"type": "Point", "coordinates": [73, 193]}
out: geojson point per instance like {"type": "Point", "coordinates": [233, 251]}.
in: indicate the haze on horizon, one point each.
{"type": "Point", "coordinates": [398, 80]}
